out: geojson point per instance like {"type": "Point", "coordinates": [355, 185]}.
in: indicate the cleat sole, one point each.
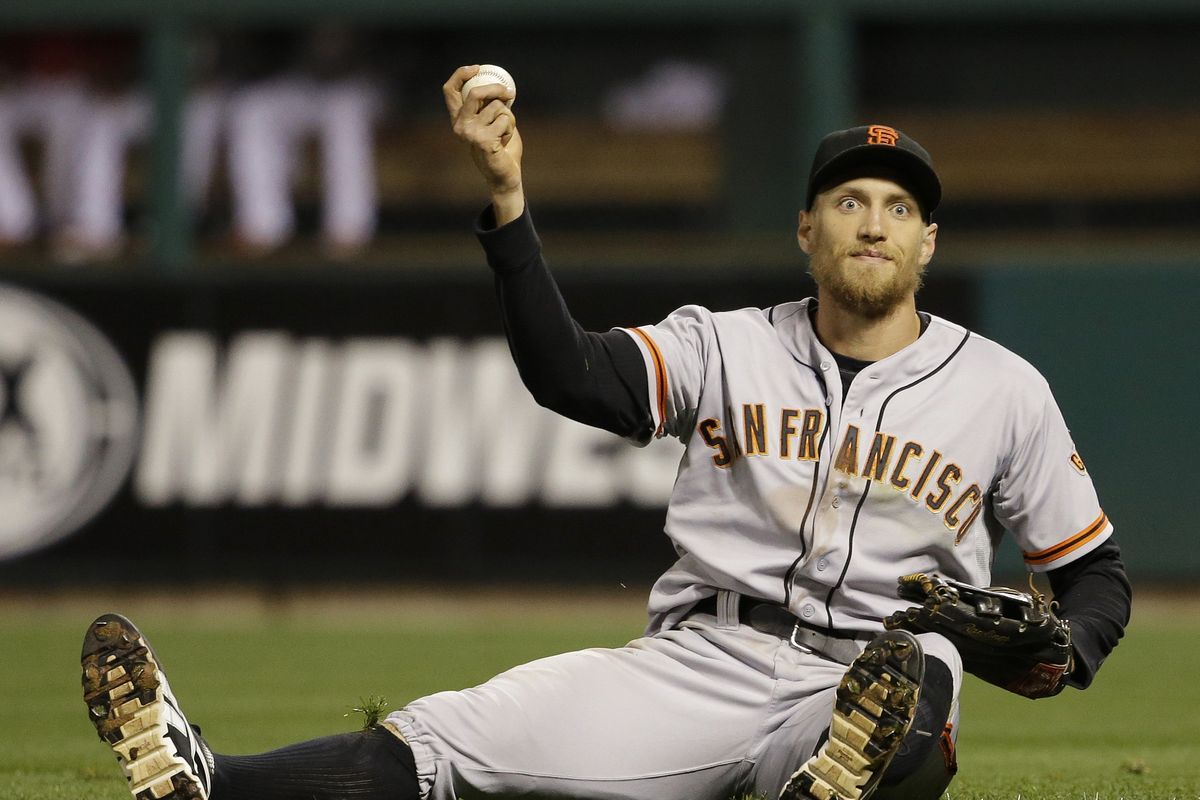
{"type": "Point", "coordinates": [874, 707]}
{"type": "Point", "coordinates": [123, 688]}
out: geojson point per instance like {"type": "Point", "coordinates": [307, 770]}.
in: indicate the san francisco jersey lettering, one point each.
{"type": "Point", "coordinates": [791, 492]}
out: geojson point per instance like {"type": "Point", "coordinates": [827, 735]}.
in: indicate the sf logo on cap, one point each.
{"type": "Point", "coordinates": [882, 134]}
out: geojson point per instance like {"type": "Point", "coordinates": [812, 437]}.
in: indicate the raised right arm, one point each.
{"type": "Point", "coordinates": [595, 378]}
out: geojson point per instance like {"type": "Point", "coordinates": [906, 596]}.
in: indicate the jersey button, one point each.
{"type": "Point", "coordinates": [807, 611]}
{"type": "Point", "coordinates": [825, 366]}
{"type": "Point", "coordinates": [837, 502]}
{"type": "Point", "coordinates": [822, 564]}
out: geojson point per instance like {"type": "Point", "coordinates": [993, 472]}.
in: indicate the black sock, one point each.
{"type": "Point", "coordinates": [374, 764]}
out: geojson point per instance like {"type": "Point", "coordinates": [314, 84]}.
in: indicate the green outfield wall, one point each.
{"type": "Point", "coordinates": [1119, 345]}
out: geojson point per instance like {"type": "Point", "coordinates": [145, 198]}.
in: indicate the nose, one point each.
{"type": "Point", "coordinates": [872, 229]}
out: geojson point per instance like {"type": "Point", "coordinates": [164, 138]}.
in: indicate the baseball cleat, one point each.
{"type": "Point", "coordinates": [135, 713]}
{"type": "Point", "coordinates": [876, 703]}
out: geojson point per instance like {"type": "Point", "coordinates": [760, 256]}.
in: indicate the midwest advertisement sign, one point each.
{"type": "Point", "coordinates": [269, 418]}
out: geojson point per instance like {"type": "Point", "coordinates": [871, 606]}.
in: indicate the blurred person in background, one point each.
{"type": "Point", "coordinates": [43, 98]}
{"type": "Point", "coordinates": [18, 209]}
{"type": "Point", "coordinates": [324, 92]}
{"type": "Point", "coordinates": [674, 94]}
{"type": "Point", "coordinates": [119, 116]}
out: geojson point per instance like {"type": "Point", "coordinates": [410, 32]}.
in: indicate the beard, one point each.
{"type": "Point", "coordinates": [869, 290]}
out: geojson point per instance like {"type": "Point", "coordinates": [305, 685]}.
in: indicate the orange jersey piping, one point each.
{"type": "Point", "coordinates": [1070, 545]}
{"type": "Point", "coordinates": [660, 377]}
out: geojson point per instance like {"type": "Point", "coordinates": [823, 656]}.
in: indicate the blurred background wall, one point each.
{"type": "Point", "coordinates": [246, 335]}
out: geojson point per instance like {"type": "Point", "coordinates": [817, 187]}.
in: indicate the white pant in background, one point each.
{"type": "Point", "coordinates": [267, 123]}
{"type": "Point", "coordinates": [95, 222]}
{"type": "Point", "coordinates": [53, 110]}
{"type": "Point", "coordinates": [18, 206]}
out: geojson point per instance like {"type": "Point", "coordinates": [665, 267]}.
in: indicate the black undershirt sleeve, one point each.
{"type": "Point", "coordinates": [1095, 597]}
{"type": "Point", "coordinates": [598, 379]}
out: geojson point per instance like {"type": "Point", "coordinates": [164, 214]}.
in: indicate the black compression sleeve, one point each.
{"type": "Point", "coordinates": [1094, 595]}
{"type": "Point", "coordinates": [595, 378]}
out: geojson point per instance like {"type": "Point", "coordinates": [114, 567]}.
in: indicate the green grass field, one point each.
{"type": "Point", "coordinates": [261, 672]}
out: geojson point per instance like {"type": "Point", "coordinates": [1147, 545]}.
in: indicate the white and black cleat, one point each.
{"type": "Point", "coordinates": [135, 713]}
{"type": "Point", "coordinates": [876, 703]}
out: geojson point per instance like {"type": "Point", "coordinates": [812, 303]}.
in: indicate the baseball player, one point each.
{"type": "Point", "coordinates": [833, 445]}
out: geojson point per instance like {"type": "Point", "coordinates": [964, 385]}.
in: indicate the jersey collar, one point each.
{"type": "Point", "coordinates": [793, 325]}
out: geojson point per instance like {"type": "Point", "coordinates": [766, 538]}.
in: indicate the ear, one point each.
{"type": "Point", "coordinates": [804, 232]}
{"type": "Point", "coordinates": [929, 243]}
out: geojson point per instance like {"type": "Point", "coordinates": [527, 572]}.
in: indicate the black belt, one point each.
{"type": "Point", "coordinates": [775, 620]}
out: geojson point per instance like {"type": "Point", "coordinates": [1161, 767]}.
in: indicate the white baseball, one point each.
{"type": "Point", "coordinates": [488, 74]}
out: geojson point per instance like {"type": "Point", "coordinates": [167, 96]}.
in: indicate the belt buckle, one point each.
{"type": "Point", "coordinates": [801, 647]}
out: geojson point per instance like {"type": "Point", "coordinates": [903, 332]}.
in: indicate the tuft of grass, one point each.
{"type": "Point", "coordinates": [1135, 766]}
{"type": "Point", "coordinates": [372, 708]}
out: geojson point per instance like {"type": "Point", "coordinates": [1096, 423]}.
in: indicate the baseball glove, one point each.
{"type": "Point", "coordinates": [1007, 638]}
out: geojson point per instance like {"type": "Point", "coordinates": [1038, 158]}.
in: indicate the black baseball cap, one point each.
{"type": "Point", "coordinates": [845, 154]}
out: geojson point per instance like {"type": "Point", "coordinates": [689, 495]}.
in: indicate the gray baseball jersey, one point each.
{"type": "Point", "coordinates": [790, 492]}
